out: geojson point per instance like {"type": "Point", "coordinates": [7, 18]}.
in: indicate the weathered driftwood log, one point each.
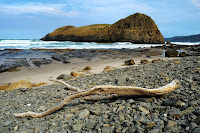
{"type": "Point", "coordinates": [106, 89]}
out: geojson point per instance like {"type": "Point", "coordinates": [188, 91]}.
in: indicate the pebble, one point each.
{"type": "Point", "coordinates": [77, 127]}
{"type": "Point", "coordinates": [68, 116]}
{"type": "Point", "coordinates": [180, 103]}
{"type": "Point", "coordinates": [197, 121]}
{"type": "Point", "coordinates": [7, 123]}
{"type": "Point", "coordinates": [171, 124]}
{"type": "Point", "coordinates": [16, 128]}
{"type": "Point", "coordinates": [175, 113]}
{"type": "Point", "coordinates": [196, 130]}
{"type": "Point", "coordinates": [151, 124]}
{"type": "Point", "coordinates": [84, 113]}
{"type": "Point", "coordinates": [153, 131]}
{"type": "Point", "coordinates": [193, 125]}
{"type": "Point", "coordinates": [106, 129]}
{"type": "Point", "coordinates": [169, 103]}
{"type": "Point", "coordinates": [188, 111]}
{"type": "Point", "coordinates": [143, 110]}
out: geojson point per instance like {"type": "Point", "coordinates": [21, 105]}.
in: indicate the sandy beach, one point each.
{"type": "Point", "coordinates": [97, 63]}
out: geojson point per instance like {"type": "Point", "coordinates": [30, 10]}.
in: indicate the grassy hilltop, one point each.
{"type": "Point", "coordinates": [136, 28]}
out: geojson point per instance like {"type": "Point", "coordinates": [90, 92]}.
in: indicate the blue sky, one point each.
{"type": "Point", "coordinates": [33, 19]}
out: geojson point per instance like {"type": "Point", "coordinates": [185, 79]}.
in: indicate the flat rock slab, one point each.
{"type": "Point", "coordinates": [40, 61]}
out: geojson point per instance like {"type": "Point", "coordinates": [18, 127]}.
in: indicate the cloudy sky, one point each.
{"type": "Point", "coordinates": [32, 19]}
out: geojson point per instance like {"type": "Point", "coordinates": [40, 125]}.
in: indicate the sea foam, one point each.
{"type": "Point", "coordinates": [37, 44]}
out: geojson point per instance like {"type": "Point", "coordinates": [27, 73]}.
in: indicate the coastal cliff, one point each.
{"type": "Point", "coordinates": [136, 28]}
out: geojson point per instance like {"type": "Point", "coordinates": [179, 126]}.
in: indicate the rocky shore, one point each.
{"type": "Point", "coordinates": [14, 59]}
{"type": "Point", "coordinates": [178, 111]}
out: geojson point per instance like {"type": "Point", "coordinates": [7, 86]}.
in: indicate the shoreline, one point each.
{"type": "Point", "coordinates": [39, 65]}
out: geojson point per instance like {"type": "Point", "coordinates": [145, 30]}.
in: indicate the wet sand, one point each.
{"type": "Point", "coordinates": [97, 62]}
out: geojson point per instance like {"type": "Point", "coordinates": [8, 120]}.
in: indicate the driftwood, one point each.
{"type": "Point", "coordinates": [115, 91]}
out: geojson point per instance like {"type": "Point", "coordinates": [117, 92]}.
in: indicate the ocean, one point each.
{"type": "Point", "coordinates": [37, 44]}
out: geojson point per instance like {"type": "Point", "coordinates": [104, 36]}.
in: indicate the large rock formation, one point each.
{"type": "Point", "coordinates": [136, 28]}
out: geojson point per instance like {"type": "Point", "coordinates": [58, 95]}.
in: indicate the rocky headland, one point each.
{"type": "Point", "coordinates": [137, 28]}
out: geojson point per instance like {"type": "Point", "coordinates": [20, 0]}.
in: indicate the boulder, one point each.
{"type": "Point", "coordinates": [144, 61]}
{"type": "Point", "coordinates": [65, 77]}
{"type": "Point", "coordinates": [158, 60]}
{"type": "Point", "coordinates": [60, 57]}
{"type": "Point", "coordinates": [136, 28]}
{"type": "Point", "coordinates": [168, 42]}
{"type": "Point", "coordinates": [40, 61]}
{"type": "Point", "coordinates": [77, 74]}
{"type": "Point", "coordinates": [129, 62]}
{"type": "Point", "coordinates": [171, 53]}
{"type": "Point", "coordinates": [109, 68]}
{"type": "Point", "coordinates": [87, 68]}
{"type": "Point", "coordinates": [12, 64]}
{"type": "Point", "coordinates": [182, 54]}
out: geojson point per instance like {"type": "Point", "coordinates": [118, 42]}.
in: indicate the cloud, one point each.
{"type": "Point", "coordinates": [36, 8]}
{"type": "Point", "coordinates": [114, 8]}
{"type": "Point", "coordinates": [196, 3]}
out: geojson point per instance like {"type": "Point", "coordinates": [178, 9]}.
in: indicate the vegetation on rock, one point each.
{"type": "Point", "coordinates": [136, 28]}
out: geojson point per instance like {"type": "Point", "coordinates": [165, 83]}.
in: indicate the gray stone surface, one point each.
{"type": "Point", "coordinates": [128, 114]}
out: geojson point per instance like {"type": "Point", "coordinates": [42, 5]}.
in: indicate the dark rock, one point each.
{"type": "Point", "coordinates": [13, 63]}
{"type": "Point", "coordinates": [59, 57]}
{"type": "Point", "coordinates": [188, 111]}
{"type": "Point", "coordinates": [129, 62]}
{"type": "Point", "coordinates": [66, 61]}
{"type": "Point", "coordinates": [87, 68]}
{"type": "Point", "coordinates": [193, 125]}
{"type": "Point", "coordinates": [169, 103]}
{"type": "Point", "coordinates": [176, 113]}
{"type": "Point", "coordinates": [12, 66]}
{"type": "Point", "coordinates": [41, 61]}
{"type": "Point", "coordinates": [65, 77]}
{"type": "Point", "coordinates": [171, 53]}
{"type": "Point", "coordinates": [144, 61]}
{"type": "Point", "coordinates": [182, 54]}
{"type": "Point", "coordinates": [197, 121]}
{"type": "Point", "coordinates": [196, 130]}
{"type": "Point", "coordinates": [171, 124]}
{"type": "Point", "coordinates": [197, 112]}
{"type": "Point", "coordinates": [8, 67]}
{"type": "Point", "coordinates": [168, 42]}
{"type": "Point", "coordinates": [136, 28]}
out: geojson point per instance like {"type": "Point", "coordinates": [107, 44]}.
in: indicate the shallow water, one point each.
{"type": "Point", "coordinates": [35, 44]}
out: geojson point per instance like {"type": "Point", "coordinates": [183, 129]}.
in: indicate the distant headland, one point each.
{"type": "Point", "coordinates": [137, 28]}
{"type": "Point", "coordinates": [191, 38]}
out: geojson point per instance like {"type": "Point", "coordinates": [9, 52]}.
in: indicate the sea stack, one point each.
{"type": "Point", "coordinates": [137, 28]}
